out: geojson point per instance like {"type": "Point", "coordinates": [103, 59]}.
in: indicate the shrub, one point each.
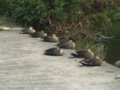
{"type": "Point", "coordinates": [4, 7]}
{"type": "Point", "coordinates": [92, 13]}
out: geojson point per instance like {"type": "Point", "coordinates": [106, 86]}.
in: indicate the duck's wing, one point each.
{"type": "Point", "coordinates": [35, 34]}
{"type": "Point", "coordinates": [63, 44]}
{"type": "Point", "coordinates": [42, 34]}
{"type": "Point", "coordinates": [81, 52]}
{"type": "Point", "coordinates": [117, 63]}
{"type": "Point", "coordinates": [46, 38]}
{"type": "Point", "coordinates": [28, 31]}
{"type": "Point", "coordinates": [51, 51]}
{"type": "Point", "coordinates": [88, 61]}
{"type": "Point", "coordinates": [50, 39]}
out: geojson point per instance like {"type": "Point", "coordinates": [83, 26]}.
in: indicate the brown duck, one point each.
{"type": "Point", "coordinates": [67, 45]}
{"type": "Point", "coordinates": [83, 54]}
{"type": "Point", "coordinates": [95, 61]}
{"type": "Point", "coordinates": [38, 34]}
{"type": "Point", "coordinates": [29, 30]}
{"type": "Point", "coordinates": [52, 38]}
{"type": "Point", "coordinates": [117, 64]}
{"type": "Point", "coordinates": [54, 52]}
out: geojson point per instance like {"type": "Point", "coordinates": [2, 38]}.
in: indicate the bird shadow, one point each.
{"type": "Point", "coordinates": [71, 57]}
{"type": "Point", "coordinates": [80, 65]}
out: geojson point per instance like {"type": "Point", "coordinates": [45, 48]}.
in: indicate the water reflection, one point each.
{"type": "Point", "coordinates": [113, 50]}
{"type": "Point", "coordinates": [112, 42]}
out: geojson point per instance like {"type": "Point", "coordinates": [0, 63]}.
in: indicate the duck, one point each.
{"type": "Point", "coordinates": [49, 38]}
{"type": "Point", "coordinates": [29, 30]}
{"type": "Point", "coordinates": [38, 34]}
{"type": "Point", "coordinates": [54, 52]}
{"type": "Point", "coordinates": [95, 61]}
{"type": "Point", "coordinates": [67, 45]}
{"type": "Point", "coordinates": [83, 53]}
{"type": "Point", "coordinates": [117, 64]}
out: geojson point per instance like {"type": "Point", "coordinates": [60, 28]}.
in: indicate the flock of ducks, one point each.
{"type": "Point", "coordinates": [90, 58]}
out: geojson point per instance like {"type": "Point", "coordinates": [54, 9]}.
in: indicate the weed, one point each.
{"type": "Point", "coordinates": [1, 29]}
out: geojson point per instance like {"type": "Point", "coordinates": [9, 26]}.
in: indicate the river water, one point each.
{"type": "Point", "coordinates": [113, 45]}
{"type": "Point", "coordinates": [113, 51]}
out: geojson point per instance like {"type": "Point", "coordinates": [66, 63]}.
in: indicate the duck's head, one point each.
{"type": "Point", "coordinates": [54, 35]}
{"type": "Point", "coordinates": [70, 41]}
{"type": "Point", "coordinates": [73, 44]}
{"type": "Point", "coordinates": [31, 28]}
{"type": "Point", "coordinates": [89, 50]}
{"type": "Point", "coordinates": [42, 31]}
{"type": "Point", "coordinates": [96, 56]}
{"type": "Point", "coordinates": [45, 34]}
{"type": "Point", "coordinates": [60, 51]}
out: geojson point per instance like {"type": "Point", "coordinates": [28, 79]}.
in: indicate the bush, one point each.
{"type": "Point", "coordinates": [92, 13]}
{"type": "Point", "coordinates": [4, 7]}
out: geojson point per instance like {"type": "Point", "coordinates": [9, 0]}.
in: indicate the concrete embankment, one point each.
{"type": "Point", "coordinates": [23, 66]}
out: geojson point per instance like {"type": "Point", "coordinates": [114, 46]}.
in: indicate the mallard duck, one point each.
{"type": "Point", "coordinates": [117, 63]}
{"type": "Point", "coordinates": [95, 61]}
{"type": "Point", "coordinates": [29, 30]}
{"type": "Point", "coordinates": [38, 34]}
{"type": "Point", "coordinates": [67, 45]}
{"type": "Point", "coordinates": [83, 54]}
{"type": "Point", "coordinates": [52, 38]}
{"type": "Point", "coordinates": [54, 52]}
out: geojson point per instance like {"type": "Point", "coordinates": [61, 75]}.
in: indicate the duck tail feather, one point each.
{"type": "Point", "coordinates": [21, 32]}
{"type": "Point", "coordinates": [90, 64]}
{"type": "Point", "coordinates": [74, 53]}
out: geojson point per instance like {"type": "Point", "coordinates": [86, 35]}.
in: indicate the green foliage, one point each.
{"type": "Point", "coordinates": [115, 17]}
{"type": "Point", "coordinates": [4, 7]}
{"type": "Point", "coordinates": [92, 13]}
{"type": "Point", "coordinates": [31, 11]}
